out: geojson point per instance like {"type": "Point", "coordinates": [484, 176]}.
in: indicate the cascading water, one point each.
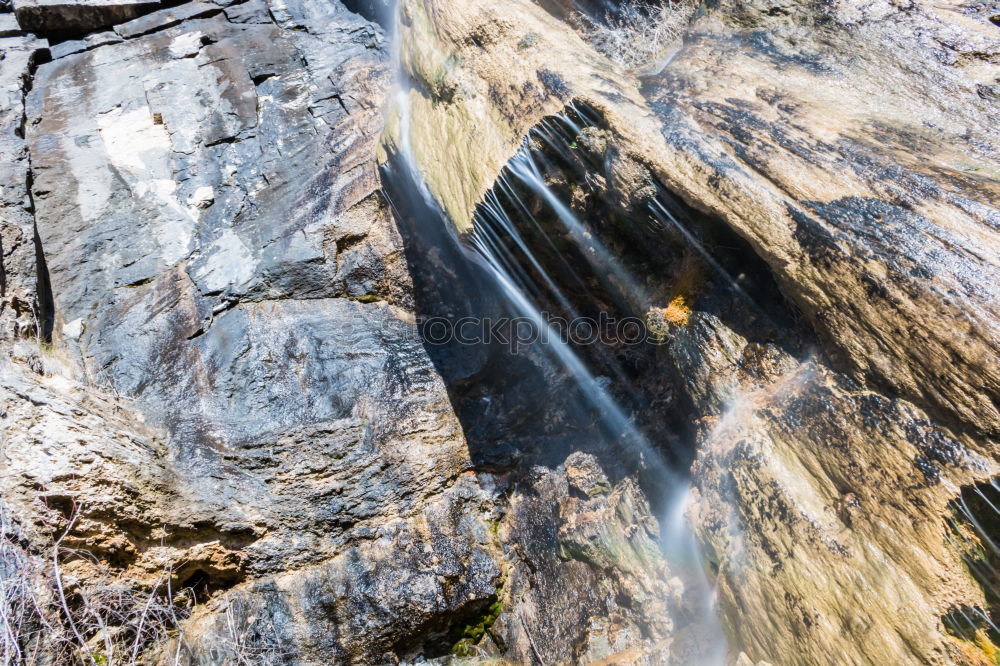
{"type": "Point", "coordinates": [493, 226]}
{"type": "Point", "coordinates": [513, 263]}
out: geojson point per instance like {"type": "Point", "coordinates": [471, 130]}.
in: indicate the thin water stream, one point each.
{"type": "Point", "coordinates": [532, 258]}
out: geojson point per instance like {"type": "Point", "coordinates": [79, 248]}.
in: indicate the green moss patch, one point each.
{"type": "Point", "coordinates": [464, 638]}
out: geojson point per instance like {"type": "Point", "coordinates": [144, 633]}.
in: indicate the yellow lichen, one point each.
{"type": "Point", "coordinates": [677, 311]}
{"type": "Point", "coordinates": [982, 652]}
{"type": "Point", "coordinates": [987, 646]}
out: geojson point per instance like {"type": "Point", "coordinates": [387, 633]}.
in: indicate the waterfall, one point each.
{"type": "Point", "coordinates": [501, 258]}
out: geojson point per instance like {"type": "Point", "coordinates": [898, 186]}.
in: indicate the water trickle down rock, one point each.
{"type": "Point", "coordinates": [248, 338]}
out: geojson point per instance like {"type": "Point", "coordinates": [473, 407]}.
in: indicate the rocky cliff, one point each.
{"type": "Point", "coordinates": [227, 439]}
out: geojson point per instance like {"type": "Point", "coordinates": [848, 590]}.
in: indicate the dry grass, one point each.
{"type": "Point", "coordinates": [250, 637]}
{"type": "Point", "coordinates": [642, 35]}
{"type": "Point", "coordinates": [49, 615]}
{"type": "Point", "coordinates": [65, 607]}
{"type": "Point", "coordinates": [21, 612]}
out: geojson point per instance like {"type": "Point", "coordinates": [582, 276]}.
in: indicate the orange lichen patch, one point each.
{"type": "Point", "coordinates": [677, 311]}
{"type": "Point", "coordinates": [688, 279]}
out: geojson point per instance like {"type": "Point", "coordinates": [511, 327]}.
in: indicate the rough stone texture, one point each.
{"type": "Point", "coordinates": [18, 306]}
{"type": "Point", "coordinates": [75, 17]}
{"type": "Point", "coordinates": [91, 41]}
{"type": "Point", "coordinates": [935, 218]}
{"type": "Point", "coordinates": [385, 596]}
{"type": "Point", "coordinates": [169, 158]}
{"type": "Point", "coordinates": [795, 470]}
{"type": "Point", "coordinates": [194, 305]}
{"type": "Point", "coordinates": [9, 26]}
{"type": "Point", "coordinates": [215, 377]}
{"type": "Point", "coordinates": [166, 18]}
{"type": "Point", "coordinates": [861, 165]}
{"type": "Point", "coordinates": [863, 175]}
{"type": "Point", "coordinates": [585, 578]}
{"type": "Point", "coordinates": [570, 10]}
{"type": "Point", "coordinates": [493, 73]}
{"type": "Point", "coordinates": [232, 322]}
{"type": "Point", "coordinates": [590, 532]}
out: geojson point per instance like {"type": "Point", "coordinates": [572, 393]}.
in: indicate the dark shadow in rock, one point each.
{"type": "Point", "coordinates": [740, 288]}
{"type": "Point", "coordinates": [514, 407]}
{"type": "Point", "coordinates": [378, 11]}
{"type": "Point", "coordinates": [3, 272]}
{"type": "Point", "coordinates": [569, 10]}
{"type": "Point", "coordinates": [44, 299]}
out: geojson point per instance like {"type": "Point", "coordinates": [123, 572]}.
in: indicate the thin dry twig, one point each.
{"type": "Point", "coordinates": [107, 620]}
{"type": "Point", "coordinates": [641, 35]}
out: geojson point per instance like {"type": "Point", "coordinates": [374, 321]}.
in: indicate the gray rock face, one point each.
{"type": "Point", "coordinates": [74, 17]}
{"type": "Point", "coordinates": [9, 26]}
{"type": "Point", "coordinates": [205, 195]}
{"type": "Point", "coordinates": [18, 306]}
{"type": "Point", "coordinates": [392, 594]}
{"type": "Point", "coordinates": [203, 169]}
{"type": "Point", "coordinates": [208, 210]}
{"type": "Point", "coordinates": [91, 41]}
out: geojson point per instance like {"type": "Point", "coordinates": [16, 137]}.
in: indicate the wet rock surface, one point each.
{"type": "Point", "coordinates": [807, 483]}
{"type": "Point", "coordinates": [222, 268]}
{"type": "Point", "coordinates": [875, 208]}
{"type": "Point", "coordinates": [874, 203]}
{"type": "Point", "coordinates": [840, 416]}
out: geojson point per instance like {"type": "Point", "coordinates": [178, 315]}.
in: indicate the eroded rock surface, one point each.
{"type": "Point", "coordinates": [19, 311]}
{"type": "Point", "coordinates": [795, 473]}
{"type": "Point", "coordinates": [865, 175]}
{"type": "Point", "coordinates": [205, 197]}
{"type": "Point", "coordinates": [71, 17]}
{"type": "Point", "coordinates": [217, 397]}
